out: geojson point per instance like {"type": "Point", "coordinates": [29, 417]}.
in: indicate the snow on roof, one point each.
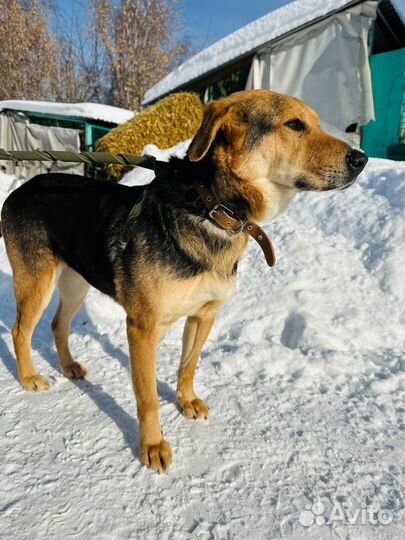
{"type": "Point", "coordinates": [246, 39]}
{"type": "Point", "coordinates": [93, 111]}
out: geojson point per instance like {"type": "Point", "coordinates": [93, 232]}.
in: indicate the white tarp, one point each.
{"type": "Point", "coordinates": [17, 133]}
{"type": "Point", "coordinates": [326, 66]}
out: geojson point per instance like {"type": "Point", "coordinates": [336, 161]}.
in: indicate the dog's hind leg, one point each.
{"type": "Point", "coordinates": [196, 331]}
{"type": "Point", "coordinates": [33, 287]}
{"type": "Point", "coordinates": [73, 289]}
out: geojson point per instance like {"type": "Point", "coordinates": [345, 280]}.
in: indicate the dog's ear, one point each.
{"type": "Point", "coordinates": [214, 118]}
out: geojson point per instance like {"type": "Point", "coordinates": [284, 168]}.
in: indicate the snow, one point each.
{"type": "Point", "coordinates": [248, 38]}
{"type": "Point", "coordinates": [304, 374]}
{"type": "Point", "coordinates": [93, 111]}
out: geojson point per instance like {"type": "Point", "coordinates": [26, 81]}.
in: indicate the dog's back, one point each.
{"type": "Point", "coordinates": [69, 215]}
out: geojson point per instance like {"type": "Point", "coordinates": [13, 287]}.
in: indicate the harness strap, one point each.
{"type": "Point", "coordinates": [227, 219]}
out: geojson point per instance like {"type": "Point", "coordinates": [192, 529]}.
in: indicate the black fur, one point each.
{"type": "Point", "coordinates": [96, 226]}
{"type": "Point", "coordinates": [261, 123]}
{"type": "Point", "coordinates": [302, 184]}
{"type": "Point", "coordinates": [80, 217]}
{"type": "Point", "coordinates": [259, 126]}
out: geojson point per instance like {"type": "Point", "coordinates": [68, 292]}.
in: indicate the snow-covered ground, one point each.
{"type": "Point", "coordinates": [304, 374]}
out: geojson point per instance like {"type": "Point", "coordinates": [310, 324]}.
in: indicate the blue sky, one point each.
{"type": "Point", "coordinates": [210, 20]}
{"type": "Point", "coordinates": [207, 21]}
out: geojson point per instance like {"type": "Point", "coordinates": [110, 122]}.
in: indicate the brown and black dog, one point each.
{"type": "Point", "coordinates": [154, 249]}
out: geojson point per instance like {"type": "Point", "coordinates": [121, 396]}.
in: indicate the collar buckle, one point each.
{"type": "Point", "coordinates": [227, 219]}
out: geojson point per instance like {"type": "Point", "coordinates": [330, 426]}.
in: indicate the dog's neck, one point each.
{"type": "Point", "coordinates": [259, 200]}
{"type": "Point", "coordinates": [216, 205]}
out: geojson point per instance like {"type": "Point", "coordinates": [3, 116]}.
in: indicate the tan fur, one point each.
{"type": "Point", "coordinates": [33, 287]}
{"type": "Point", "coordinates": [259, 171]}
{"type": "Point", "coordinates": [196, 331]}
{"type": "Point", "coordinates": [264, 174]}
{"type": "Point", "coordinates": [73, 289]}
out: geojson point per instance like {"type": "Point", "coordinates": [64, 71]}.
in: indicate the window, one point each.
{"type": "Point", "coordinates": [233, 83]}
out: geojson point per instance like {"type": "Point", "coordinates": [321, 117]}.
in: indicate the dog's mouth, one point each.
{"type": "Point", "coordinates": [302, 184]}
{"type": "Point", "coordinates": [333, 182]}
{"type": "Point", "coordinates": [345, 186]}
{"type": "Point", "coordinates": [339, 176]}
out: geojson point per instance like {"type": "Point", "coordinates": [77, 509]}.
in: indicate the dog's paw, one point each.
{"type": "Point", "coordinates": [74, 371]}
{"type": "Point", "coordinates": [157, 456]}
{"type": "Point", "coordinates": [195, 408]}
{"type": "Point", "coordinates": [36, 383]}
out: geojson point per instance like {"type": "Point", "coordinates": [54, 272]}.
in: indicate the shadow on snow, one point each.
{"type": "Point", "coordinates": [43, 343]}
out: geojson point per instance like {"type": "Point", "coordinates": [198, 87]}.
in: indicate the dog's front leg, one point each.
{"type": "Point", "coordinates": [196, 331]}
{"type": "Point", "coordinates": [143, 339]}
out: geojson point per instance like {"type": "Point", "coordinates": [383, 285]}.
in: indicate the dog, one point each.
{"type": "Point", "coordinates": [157, 249]}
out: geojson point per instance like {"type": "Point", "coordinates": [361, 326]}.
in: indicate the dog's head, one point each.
{"type": "Point", "coordinates": [263, 137]}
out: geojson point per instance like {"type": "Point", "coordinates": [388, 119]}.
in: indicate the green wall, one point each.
{"type": "Point", "coordinates": [388, 79]}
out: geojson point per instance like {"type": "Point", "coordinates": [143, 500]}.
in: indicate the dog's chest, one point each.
{"type": "Point", "coordinates": [186, 298]}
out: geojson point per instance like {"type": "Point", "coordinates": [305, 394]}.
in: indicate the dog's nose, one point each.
{"type": "Point", "coordinates": [356, 160]}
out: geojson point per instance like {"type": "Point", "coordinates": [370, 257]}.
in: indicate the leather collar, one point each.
{"type": "Point", "coordinates": [235, 223]}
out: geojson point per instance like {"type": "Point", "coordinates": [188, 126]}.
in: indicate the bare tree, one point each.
{"type": "Point", "coordinates": [141, 45]}
{"type": "Point", "coordinates": [80, 60]}
{"type": "Point", "coordinates": [27, 51]}
{"type": "Point", "coordinates": [111, 51]}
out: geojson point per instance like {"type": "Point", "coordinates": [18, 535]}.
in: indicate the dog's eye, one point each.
{"type": "Point", "coordinates": [296, 125]}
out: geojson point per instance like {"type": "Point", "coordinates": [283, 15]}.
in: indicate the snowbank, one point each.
{"type": "Point", "coordinates": [304, 374]}
{"type": "Point", "coordinates": [94, 111]}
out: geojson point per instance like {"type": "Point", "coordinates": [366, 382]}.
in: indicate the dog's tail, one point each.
{"type": "Point", "coordinates": [0, 230]}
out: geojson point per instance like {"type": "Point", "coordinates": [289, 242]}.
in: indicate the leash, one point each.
{"type": "Point", "coordinates": [218, 212]}
{"type": "Point", "coordinates": [91, 158]}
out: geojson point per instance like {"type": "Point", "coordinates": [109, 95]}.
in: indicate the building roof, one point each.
{"type": "Point", "coordinates": [247, 40]}
{"type": "Point", "coordinates": [88, 111]}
